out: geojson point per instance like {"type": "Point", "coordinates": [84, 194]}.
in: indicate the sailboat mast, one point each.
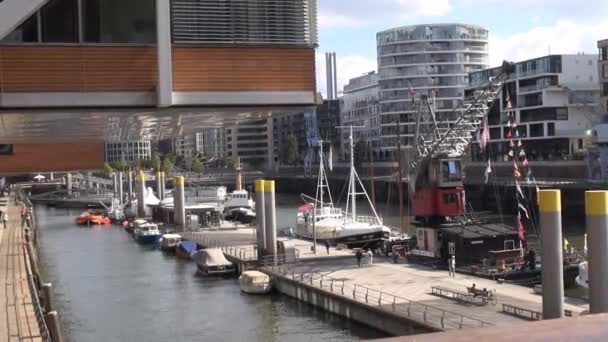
{"type": "Point", "coordinates": [353, 188]}
{"type": "Point", "coordinates": [321, 172]}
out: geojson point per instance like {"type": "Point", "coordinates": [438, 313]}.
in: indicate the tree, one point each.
{"type": "Point", "coordinates": [107, 169]}
{"type": "Point", "coordinates": [118, 165]}
{"type": "Point", "coordinates": [156, 163]}
{"type": "Point", "coordinates": [292, 149]}
{"type": "Point", "coordinates": [167, 165]}
{"type": "Point", "coordinates": [198, 167]}
{"type": "Point", "coordinates": [230, 163]}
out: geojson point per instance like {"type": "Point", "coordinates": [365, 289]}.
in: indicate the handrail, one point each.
{"type": "Point", "coordinates": [383, 300]}
{"type": "Point", "coordinates": [44, 330]}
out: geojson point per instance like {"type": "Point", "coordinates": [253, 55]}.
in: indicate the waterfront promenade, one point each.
{"type": "Point", "coordinates": [396, 287]}
{"type": "Point", "coordinates": [17, 317]}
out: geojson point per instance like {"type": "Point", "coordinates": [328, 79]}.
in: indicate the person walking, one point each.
{"type": "Point", "coordinates": [4, 219]}
{"type": "Point", "coordinates": [452, 266]}
{"type": "Point", "coordinates": [359, 256]}
{"type": "Point", "coordinates": [327, 246]}
{"type": "Point", "coordinates": [370, 255]}
{"type": "Point", "coordinates": [395, 255]}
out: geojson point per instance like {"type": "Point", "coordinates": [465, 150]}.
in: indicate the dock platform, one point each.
{"type": "Point", "coordinates": [18, 319]}
{"type": "Point", "coordinates": [405, 290]}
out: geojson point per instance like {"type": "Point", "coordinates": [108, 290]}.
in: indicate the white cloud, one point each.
{"type": "Point", "coordinates": [564, 37]}
{"type": "Point", "coordinates": [347, 67]}
{"type": "Point", "coordinates": [349, 13]}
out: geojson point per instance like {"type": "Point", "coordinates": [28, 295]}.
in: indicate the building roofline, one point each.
{"type": "Point", "coordinates": [434, 25]}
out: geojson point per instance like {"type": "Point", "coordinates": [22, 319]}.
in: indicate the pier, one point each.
{"type": "Point", "coordinates": [20, 313]}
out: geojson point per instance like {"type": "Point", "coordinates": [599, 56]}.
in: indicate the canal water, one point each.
{"type": "Point", "coordinates": [108, 288]}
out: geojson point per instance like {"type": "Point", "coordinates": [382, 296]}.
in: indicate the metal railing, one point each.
{"type": "Point", "coordinates": [420, 312]}
{"type": "Point", "coordinates": [38, 311]}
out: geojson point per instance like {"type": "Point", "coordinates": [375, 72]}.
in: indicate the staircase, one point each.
{"type": "Point", "coordinates": [15, 12]}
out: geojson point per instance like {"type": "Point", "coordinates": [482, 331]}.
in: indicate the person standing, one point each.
{"type": "Point", "coordinates": [359, 256]}
{"type": "Point", "coordinates": [452, 266]}
{"type": "Point", "coordinates": [327, 246]}
{"type": "Point", "coordinates": [4, 219]}
{"type": "Point", "coordinates": [370, 255]}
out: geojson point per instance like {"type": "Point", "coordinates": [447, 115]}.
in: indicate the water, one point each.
{"type": "Point", "coordinates": [108, 288]}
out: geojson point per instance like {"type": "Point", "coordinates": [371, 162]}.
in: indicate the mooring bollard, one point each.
{"type": "Point", "coordinates": [52, 322]}
{"type": "Point", "coordinates": [48, 299]}
{"type": "Point", "coordinates": [596, 209]}
{"type": "Point", "coordinates": [552, 273]}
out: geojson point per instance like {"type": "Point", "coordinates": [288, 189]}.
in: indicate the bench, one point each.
{"type": "Point", "coordinates": [516, 311]}
{"type": "Point", "coordinates": [453, 294]}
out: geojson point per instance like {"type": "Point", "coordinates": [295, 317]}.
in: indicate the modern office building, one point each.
{"type": "Point", "coordinates": [128, 151]}
{"type": "Point", "coordinates": [433, 60]}
{"type": "Point", "coordinates": [284, 126]}
{"type": "Point", "coordinates": [361, 109]}
{"type": "Point", "coordinates": [185, 146]}
{"type": "Point", "coordinates": [89, 71]}
{"type": "Point", "coordinates": [603, 71]}
{"type": "Point", "coordinates": [211, 144]}
{"type": "Point", "coordinates": [252, 142]}
{"type": "Point", "coordinates": [555, 102]}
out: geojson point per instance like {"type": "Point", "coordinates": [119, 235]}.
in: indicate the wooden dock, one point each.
{"type": "Point", "coordinates": [18, 318]}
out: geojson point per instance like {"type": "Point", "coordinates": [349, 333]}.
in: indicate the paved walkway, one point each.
{"type": "Point", "coordinates": [413, 282]}
{"type": "Point", "coordinates": [17, 317]}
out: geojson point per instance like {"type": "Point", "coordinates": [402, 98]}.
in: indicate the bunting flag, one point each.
{"type": "Point", "coordinates": [516, 169]}
{"type": "Point", "coordinates": [525, 162]}
{"type": "Point", "coordinates": [514, 125]}
{"type": "Point", "coordinates": [516, 133]}
{"type": "Point", "coordinates": [522, 153]}
{"type": "Point", "coordinates": [508, 101]}
{"type": "Point", "coordinates": [521, 232]}
{"type": "Point", "coordinates": [511, 153]}
{"type": "Point", "coordinates": [511, 143]}
{"type": "Point", "coordinates": [519, 191]}
{"type": "Point", "coordinates": [330, 160]}
{"type": "Point", "coordinates": [488, 170]}
{"type": "Point", "coordinates": [522, 208]}
{"type": "Point", "coordinates": [519, 144]}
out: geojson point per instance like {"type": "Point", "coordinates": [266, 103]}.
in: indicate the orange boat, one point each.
{"type": "Point", "coordinates": [90, 217]}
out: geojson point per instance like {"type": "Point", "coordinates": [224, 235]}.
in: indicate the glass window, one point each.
{"type": "Point", "coordinates": [59, 22]}
{"type": "Point", "coordinates": [551, 129]}
{"type": "Point", "coordinates": [27, 32]}
{"type": "Point", "coordinates": [118, 21]}
{"type": "Point", "coordinates": [537, 130]}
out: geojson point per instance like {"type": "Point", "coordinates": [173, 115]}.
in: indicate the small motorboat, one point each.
{"type": "Point", "coordinates": [185, 249]}
{"type": "Point", "coordinates": [131, 226]}
{"type": "Point", "coordinates": [169, 242]}
{"type": "Point", "coordinates": [147, 233]}
{"type": "Point", "coordinates": [255, 282]}
{"type": "Point", "coordinates": [91, 217]}
{"type": "Point", "coordinates": [212, 261]}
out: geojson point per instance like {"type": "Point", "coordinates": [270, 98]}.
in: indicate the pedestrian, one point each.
{"type": "Point", "coordinates": [359, 256]}
{"type": "Point", "coordinates": [5, 218]}
{"type": "Point", "coordinates": [452, 266]}
{"type": "Point", "coordinates": [395, 255]}
{"type": "Point", "coordinates": [370, 255]}
{"type": "Point", "coordinates": [327, 246]}
{"type": "Point", "coordinates": [2, 216]}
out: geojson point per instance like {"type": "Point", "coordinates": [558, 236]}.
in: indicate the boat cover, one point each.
{"type": "Point", "coordinates": [254, 277]}
{"type": "Point", "coordinates": [211, 257]}
{"type": "Point", "coordinates": [188, 246]}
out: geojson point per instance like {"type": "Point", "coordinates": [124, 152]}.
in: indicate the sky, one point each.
{"type": "Point", "coordinates": [519, 29]}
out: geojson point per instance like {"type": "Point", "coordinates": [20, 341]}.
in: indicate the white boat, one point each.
{"type": "Point", "coordinates": [146, 233]}
{"type": "Point", "coordinates": [168, 242]}
{"type": "Point", "coordinates": [211, 261]}
{"type": "Point", "coordinates": [254, 282]}
{"type": "Point", "coordinates": [239, 206]}
{"type": "Point", "coordinates": [350, 229]}
{"type": "Point", "coordinates": [582, 279]}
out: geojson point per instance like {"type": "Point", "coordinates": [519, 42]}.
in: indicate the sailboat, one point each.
{"type": "Point", "coordinates": [321, 220]}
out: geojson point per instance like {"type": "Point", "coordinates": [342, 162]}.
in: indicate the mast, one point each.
{"type": "Point", "coordinates": [353, 189]}
{"type": "Point", "coordinates": [239, 180]}
{"type": "Point", "coordinates": [371, 171]}
{"type": "Point", "coordinates": [399, 183]}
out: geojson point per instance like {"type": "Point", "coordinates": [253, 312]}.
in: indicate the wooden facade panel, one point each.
{"type": "Point", "coordinates": [243, 69]}
{"type": "Point", "coordinates": [77, 68]}
{"type": "Point", "coordinates": [82, 155]}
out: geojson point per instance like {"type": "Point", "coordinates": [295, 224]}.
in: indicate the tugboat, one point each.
{"type": "Point", "coordinates": [239, 206]}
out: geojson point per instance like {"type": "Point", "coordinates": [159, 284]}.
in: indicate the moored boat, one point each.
{"type": "Point", "coordinates": [255, 282]}
{"type": "Point", "coordinates": [212, 261]}
{"type": "Point", "coordinates": [239, 206]}
{"type": "Point", "coordinates": [185, 249]}
{"type": "Point", "coordinates": [131, 226]}
{"type": "Point", "coordinates": [92, 217]}
{"type": "Point", "coordinates": [147, 233]}
{"type": "Point", "coordinates": [169, 242]}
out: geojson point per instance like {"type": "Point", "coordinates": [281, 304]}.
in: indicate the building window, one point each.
{"type": "Point", "coordinates": [60, 21]}
{"type": "Point", "coordinates": [537, 130]}
{"type": "Point", "coordinates": [27, 32]}
{"type": "Point", "coordinates": [580, 144]}
{"type": "Point", "coordinates": [118, 21]}
{"type": "Point", "coordinates": [6, 149]}
{"type": "Point", "coordinates": [551, 129]}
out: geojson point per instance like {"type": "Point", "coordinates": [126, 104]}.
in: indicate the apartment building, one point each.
{"type": "Point", "coordinates": [361, 109]}
{"type": "Point", "coordinates": [555, 102]}
{"type": "Point", "coordinates": [432, 60]}
{"type": "Point", "coordinates": [603, 71]}
{"type": "Point", "coordinates": [252, 143]}
{"type": "Point", "coordinates": [211, 144]}
{"type": "Point", "coordinates": [128, 151]}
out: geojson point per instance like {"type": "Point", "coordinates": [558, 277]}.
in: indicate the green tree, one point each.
{"type": "Point", "coordinates": [292, 149]}
{"type": "Point", "coordinates": [156, 163]}
{"type": "Point", "coordinates": [198, 167]}
{"type": "Point", "coordinates": [230, 163]}
{"type": "Point", "coordinates": [167, 165]}
{"type": "Point", "coordinates": [107, 169]}
{"type": "Point", "coordinates": [119, 165]}
{"type": "Point", "coordinates": [172, 157]}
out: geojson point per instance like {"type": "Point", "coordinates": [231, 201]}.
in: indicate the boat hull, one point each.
{"type": "Point", "coordinates": [368, 239]}
{"type": "Point", "coordinates": [225, 270]}
{"type": "Point", "coordinates": [147, 239]}
{"type": "Point", "coordinates": [242, 215]}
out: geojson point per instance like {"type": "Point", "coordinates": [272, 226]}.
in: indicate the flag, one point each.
{"type": "Point", "coordinates": [330, 159]}
{"type": "Point", "coordinates": [511, 143]}
{"type": "Point", "coordinates": [516, 169]}
{"type": "Point", "coordinates": [522, 153]}
{"type": "Point", "coordinates": [511, 153]}
{"type": "Point", "coordinates": [488, 170]}
{"type": "Point", "coordinates": [514, 124]}
{"type": "Point", "coordinates": [522, 208]}
{"type": "Point", "coordinates": [519, 191]}
{"type": "Point", "coordinates": [521, 232]}
{"type": "Point", "coordinates": [525, 162]}
{"type": "Point", "coordinates": [519, 144]}
{"type": "Point", "coordinates": [508, 100]}
{"type": "Point", "coordinates": [510, 134]}
{"type": "Point", "coordinates": [412, 91]}
{"type": "Point", "coordinates": [485, 135]}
